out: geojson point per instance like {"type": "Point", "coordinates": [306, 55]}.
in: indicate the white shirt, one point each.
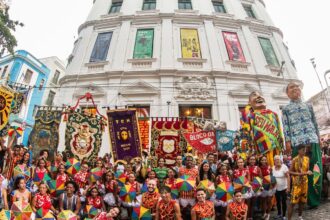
{"type": "Point", "coordinates": [281, 178]}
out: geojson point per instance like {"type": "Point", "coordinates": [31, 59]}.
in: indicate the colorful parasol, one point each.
{"type": "Point", "coordinates": [15, 130]}
{"type": "Point", "coordinates": [39, 177]}
{"type": "Point", "coordinates": [44, 214]}
{"type": "Point", "coordinates": [185, 183]}
{"type": "Point", "coordinates": [72, 166]}
{"type": "Point", "coordinates": [5, 215]}
{"type": "Point", "coordinates": [95, 174]}
{"type": "Point", "coordinates": [21, 210]}
{"type": "Point", "coordinates": [52, 169]}
{"type": "Point", "coordinates": [174, 191]}
{"type": "Point", "coordinates": [121, 178]}
{"type": "Point", "coordinates": [66, 215]}
{"type": "Point", "coordinates": [256, 184]}
{"type": "Point", "coordinates": [91, 211]}
{"type": "Point", "coordinates": [268, 182]}
{"type": "Point", "coordinates": [22, 170]}
{"type": "Point", "coordinates": [242, 183]}
{"type": "Point", "coordinates": [316, 174]}
{"type": "Point", "coordinates": [225, 192]}
{"type": "Point", "coordinates": [127, 193]}
{"type": "Point", "coordinates": [208, 186]}
{"type": "Point", "coordinates": [56, 187]}
{"type": "Point", "coordinates": [48, 216]}
{"type": "Point", "coordinates": [141, 213]}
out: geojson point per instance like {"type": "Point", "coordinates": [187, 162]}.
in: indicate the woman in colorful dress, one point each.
{"type": "Point", "coordinates": [223, 177]}
{"type": "Point", "coordinates": [268, 189]}
{"type": "Point", "coordinates": [242, 171]}
{"type": "Point", "coordinates": [151, 176]}
{"type": "Point", "coordinates": [203, 209]}
{"type": "Point", "coordinates": [254, 171]}
{"type": "Point", "coordinates": [95, 199]}
{"type": "Point", "coordinates": [237, 210]}
{"type": "Point", "coordinates": [3, 195]}
{"type": "Point", "coordinates": [111, 215]}
{"type": "Point", "coordinates": [111, 188]}
{"type": "Point", "coordinates": [161, 171]}
{"type": "Point", "coordinates": [42, 199]}
{"type": "Point", "coordinates": [205, 172]}
{"type": "Point", "coordinates": [26, 162]}
{"type": "Point", "coordinates": [40, 170]}
{"type": "Point", "coordinates": [167, 208]}
{"type": "Point", "coordinates": [20, 192]}
{"type": "Point", "coordinates": [69, 200]}
{"type": "Point", "coordinates": [62, 176]}
{"type": "Point", "coordinates": [171, 180]}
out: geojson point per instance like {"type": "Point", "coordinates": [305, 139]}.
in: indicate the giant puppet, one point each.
{"type": "Point", "coordinates": [300, 127]}
{"type": "Point", "coordinates": [262, 133]}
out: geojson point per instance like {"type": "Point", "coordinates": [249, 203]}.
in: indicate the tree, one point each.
{"type": "Point", "coordinates": [7, 40]}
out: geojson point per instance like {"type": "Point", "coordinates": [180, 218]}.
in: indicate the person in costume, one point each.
{"type": "Point", "coordinates": [203, 209]}
{"type": "Point", "coordinates": [261, 128]}
{"type": "Point", "coordinates": [161, 171]}
{"type": "Point", "coordinates": [13, 158]}
{"type": "Point", "coordinates": [20, 192]}
{"type": "Point", "coordinates": [299, 171]}
{"type": "Point", "coordinates": [237, 210]}
{"type": "Point", "coordinates": [3, 196]}
{"type": "Point", "coordinates": [111, 215]}
{"type": "Point", "coordinates": [111, 188]}
{"type": "Point", "coordinates": [26, 162]}
{"type": "Point", "coordinates": [62, 176]}
{"type": "Point", "coordinates": [81, 178]}
{"type": "Point", "coordinates": [69, 200]}
{"type": "Point", "coordinates": [300, 127]}
{"type": "Point", "coordinates": [167, 208]}
{"type": "Point", "coordinates": [42, 200]}
{"type": "Point", "coordinates": [151, 176]}
{"type": "Point", "coordinates": [205, 172]}
{"type": "Point", "coordinates": [151, 197]}
{"type": "Point", "coordinates": [178, 163]}
{"type": "Point", "coordinates": [242, 171]}
{"type": "Point", "coordinates": [95, 199]}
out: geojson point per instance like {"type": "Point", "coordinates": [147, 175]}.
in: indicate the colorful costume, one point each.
{"type": "Point", "coordinates": [300, 127]}
{"type": "Point", "coordinates": [188, 198]}
{"type": "Point", "coordinates": [81, 178]}
{"type": "Point", "coordinates": [166, 210]}
{"type": "Point", "coordinates": [161, 173]}
{"type": "Point", "coordinates": [300, 183]}
{"type": "Point", "coordinates": [237, 211]}
{"type": "Point", "coordinates": [266, 171]}
{"type": "Point", "coordinates": [109, 197]}
{"type": "Point", "coordinates": [204, 210]}
{"type": "Point", "coordinates": [96, 202]}
{"type": "Point", "coordinates": [150, 200]}
{"type": "Point", "coordinates": [43, 201]}
{"type": "Point", "coordinates": [262, 132]}
{"type": "Point", "coordinates": [102, 216]}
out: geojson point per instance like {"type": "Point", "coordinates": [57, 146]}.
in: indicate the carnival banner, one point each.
{"type": "Point", "coordinates": [17, 102]}
{"type": "Point", "coordinates": [202, 141]}
{"type": "Point", "coordinates": [144, 127]}
{"type": "Point", "coordinates": [124, 134]}
{"type": "Point", "coordinates": [6, 98]}
{"type": "Point", "coordinates": [190, 46]}
{"type": "Point", "coordinates": [225, 140]}
{"type": "Point", "coordinates": [167, 139]}
{"type": "Point", "coordinates": [144, 44]}
{"type": "Point", "coordinates": [83, 135]}
{"type": "Point", "coordinates": [233, 46]}
{"type": "Point", "coordinates": [45, 133]}
{"type": "Point", "coordinates": [269, 52]}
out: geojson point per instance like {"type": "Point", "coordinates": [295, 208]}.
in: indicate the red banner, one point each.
{"type": "Point", "coordinates": [202, 141]}
{"type": "Point", "coordinates": [144, 133]}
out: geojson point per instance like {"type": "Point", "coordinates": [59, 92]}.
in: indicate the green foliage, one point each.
{"type": "Point", "coordinates": [7, 26]}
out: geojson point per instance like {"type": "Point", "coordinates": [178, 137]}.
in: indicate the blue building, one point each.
{"type": "Point", "coordinates": [24, 69]}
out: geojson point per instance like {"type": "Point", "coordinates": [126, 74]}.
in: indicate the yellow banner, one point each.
{"type": "Point", "coordinates": [6, 97]}
{"type": "Point", "coordinates": [190, 43]}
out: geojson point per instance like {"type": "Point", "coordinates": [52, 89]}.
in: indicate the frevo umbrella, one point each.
{"type": "Point", "coordinates": [22, 170]}
{"type": "Point", "coordinates": [16, 131]}
{"type": "Point", "coordinates": [72, 166]}
{"type": "Point", "coordinates": [127, 193]}
{"type": "Point", "coordinates": [95, 174]}
{"type": "Point", "coordinates": [44, 214]}
{"type": "Point", "coordinates": [21, 210]}
{"type": "Point", "coordinates": [208, 186]}
{"type": "Point", "coordinates": [141, 213]}
{"type": "Point", "coordinates": [174, 190]}
{"type": "Point", "coordinates": [56, 187]}
{"type": "Point", "coordinates": [121, 178]}
{"type": "Point", "coordinates": [225, 192]}
{"type": "Point", "coordinates": [256, 184]}
{"type": "Point", "coordinates": [242, 183]}
{"type": "Point", "coordinates": [185, 183]}
{"type": "Point", "coordinates": [5, 214]}
{"type": "Point", "coordinates": [91, 211]}
{"type": "Point", "coordinates": [39, 177]}
{"type": "Point", "coordinates": [316, 174]}
{"type": "Point", "coordinates": [66, 215]}
{"type": "Point", "coordinates": [268, 182]}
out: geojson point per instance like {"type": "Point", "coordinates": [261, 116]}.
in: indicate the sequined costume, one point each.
{"type": "Point", "coordinates": [204, 210]}
{"type": "Point", "coordinates": [166, 210]}
{"type": "Point", "coordinates": [299, 183]}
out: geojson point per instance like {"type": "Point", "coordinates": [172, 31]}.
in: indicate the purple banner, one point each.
{"type": "Point", "coordinates": [124, 134]}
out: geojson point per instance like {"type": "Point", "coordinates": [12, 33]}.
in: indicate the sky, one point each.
{"type": "Point", "coordinates": [51, 28]}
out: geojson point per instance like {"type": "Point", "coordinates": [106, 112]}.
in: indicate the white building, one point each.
{"type": "Point", "coordinates": [179, 58]}
{"type": "Point", "coordinates": [57, 71]}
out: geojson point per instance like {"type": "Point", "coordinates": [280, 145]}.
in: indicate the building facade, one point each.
{"type": "Point", "coordinates": [176, 58]}
{"type": "Point", "coordinates": [22, 70]}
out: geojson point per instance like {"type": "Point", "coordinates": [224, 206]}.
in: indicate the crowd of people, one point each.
{"type": "Point", "coordinates": [282, 185]}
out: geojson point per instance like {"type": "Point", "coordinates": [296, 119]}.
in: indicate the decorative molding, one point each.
{"type": "Point", "coordinates": [195, 88]}
{"type": "Point", "coordinates": [142, 63]}
{"type": "Point", "coordinates": [255, 20]}
{"type": "Point", "coordinates": [94, 89]}
{"type": "Point", "coordinates": [139, 88]}
{"type": "Point", "coordinates": [147, 12]}
{"type": "Point", "coordinates": [186, 11]}
{"type": "Point", "coordinates": [239, 66]}
{"type": "Point", "coordinates": [195, 63]}
{"type": "Point", "coordinates": [244, 90]}
{"type": "Point", "coordinates": [96, 66]}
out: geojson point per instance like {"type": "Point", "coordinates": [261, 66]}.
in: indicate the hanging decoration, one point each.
{"type": "Point", "coordinates": [190, 43]}
{"type": "Point", "coordinates": [83, 135]}
{"type": "Point", "coordinates": [233, 46]}
{"type": "Point", "coordinates": [6, 98]}
{"type": "Point", "coordinates": [124, 134]}
{"type": "Point", "coordinates": [45, 133]}
{"type": "Point", "coordinates": [167, 139]}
